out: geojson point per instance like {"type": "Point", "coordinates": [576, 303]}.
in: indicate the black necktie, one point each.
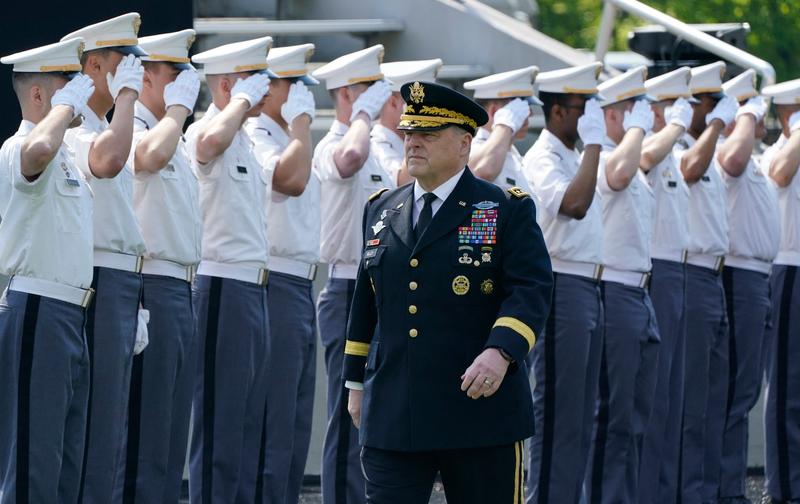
{"type": "Point", "coordinates": [425, 215]}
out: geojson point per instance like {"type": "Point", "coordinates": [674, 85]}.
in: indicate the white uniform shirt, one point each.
{"type": "Point", "coordinates": [46, 231]}
{"type": "Point", "coordinates": [166, 202]}
{"type": "Point", "coordinates": [293, 222]}
{"type": "Point", "coordinates": [5, 188]}
{"type": "Point", "coordinates": [388, 148]}
{"type": "Point", "coordinates": [511, 174]}
{"type": "Point", "coordinates": [343, 199]}
{"type": "Point", "coordinates": [789, 206]}
{"type": "Point", "coordinates": [232, 193]}
{"type": "Point", "coordinates": [627, 219]}
{"type": "Point", "coordinates": [670, 235]}
{"type": "Point", "coordinates": [115, 226]}
{"type": "Point", "coordinates": [753, 214]}
{"type": "Point", "coordinates": [549, 167]}
{"type": "Point", "coordinates": [708, 210]}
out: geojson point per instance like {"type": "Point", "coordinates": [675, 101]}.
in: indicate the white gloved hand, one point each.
{"type": "Point", "coordinates": [592, 124]}
{"type": "Point", "coordinates": [142, 339]}
{"type": "Point", "coordinates": [129, 74]}
{"type": "Point", "coordinates": [680, 113]}
{"type": "Point", "coordinates": [372, 100]}
{"type": "Point", "coordinates": [640, 116]}
{"type": "Point", "coordinates": [725, 111]}
{"type": "Point", "coordinates": [300, 101]}
{"type": "Point", "coordinates": [756, 106]}
{"type": "Point", "coordinates": [75, 94]}
{"type": "Point", "coordinates": [251, 89]}
{"type": "Point", "coordinates": [513, 114]}
{"type": "Point", "coordinates": [183, 90]}
{"type": "Point", "coordinates": [794, 121]}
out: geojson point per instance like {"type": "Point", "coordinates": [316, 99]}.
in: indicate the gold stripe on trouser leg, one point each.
{"type": "Point", "coordinates": [517, 463]}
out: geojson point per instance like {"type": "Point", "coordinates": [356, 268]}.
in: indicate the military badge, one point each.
{"type": "Point", "coordinates": [417, 92]}
{"type": "Point", "coordinates": [487, 287]}
{"type": "Point", "coordinates": [378, 227]}
{"type": "Point", "coordinates": [486, 205]}
{"type": "Point", "coordinates": [482, 228]}
{"type": "Point", "coordinates": [460, 285]}
{"type": "Point", "coordinates": [465, 259]}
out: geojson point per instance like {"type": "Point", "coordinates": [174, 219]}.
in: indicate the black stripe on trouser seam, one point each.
{"type": "Point", "coordinates": [728, 286]}
{"type": "Point", "coordinates": [89, 330]}
{"type": "Point", "coordinates": [602, 419]}
{"type": "Point", "coordinates": [343, 443]}
{"type": "Point", "coordinates": [24, 396]}
{"type": "Point", "coordinates": [782, 362]}
{"type": "Point", "coordinates": [549, 399]}
{"type": "Point", "coordinates": [209, 383]}
{"type": "Point", "coordinates": [262, 453]}
{"type": "Point", "coordinates": [135, 391]}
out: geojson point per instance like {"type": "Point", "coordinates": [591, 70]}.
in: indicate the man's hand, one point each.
{"type": "Point", "coordinates": [484, 376]}
{"type": "Point", "coordinates": [300, 101]}
{"type": "Point", "coordinates": [640, 116]}
{"type": "Point", "coordinates": [128, 75]}
{"type": "Point", "coordinates": [755, 106]}
{"type": "Point", "coordinates": [183, 90]}
{"type": "Point", "coordinates": [75, 94]}
{"type": "Point", "coordinates": [679, 113]}
{"type": "Point", "coordinates": [354, 406]}
{"type": "Point", "coordinates": [725, 110]}
{"type": "Point", "coordinates": [592, 124]}
{"type": "Point", "coordinates": [251, 89]}
{"type": "Point", "coordinates": [513, 114]}
{"type": "Point", "coordinates": [372, 100]}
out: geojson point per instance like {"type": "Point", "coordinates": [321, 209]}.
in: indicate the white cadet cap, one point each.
{"type": "Point", "coordinates": [119, 33]}
{"type": "Point", "coordinates": [743, 86]}
{"type": "Point", "coordinates": [627, 86]}
{"type": "Point", "coordinates": [245, 56]}
{"type": "Point", "coordinates": [292, 62]}
{"type": "Point", "coordinates": [353, 68]}
{"type": "Point", "coordinates": [671, 85]}
{"type": "Point", "coordinates": [785, 93]}
{"type": "Point", "coordinates": [574, 80]}
{"type": "Point", "coordinates": [708, 79]}
{"type": "Point", "coordinates": [512, 84]}
{"type": "Point", "coordinates": [62, 57]}
{"type": "Point", "coordinates": [401, 72]}
{"type": "Point", "coordinates": [169, 48]}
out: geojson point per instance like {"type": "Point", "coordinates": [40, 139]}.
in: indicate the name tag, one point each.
{"type": "Point", "coordinates": [376, 178]}
{"type": "Point", "coordinates": [73, 182]}
{"type": "Point", "coordinates": [672, 183]}
{"type": "Point", "coordinates": [241, 169]}
{"type": "Point", "coordinates": [511, 181]}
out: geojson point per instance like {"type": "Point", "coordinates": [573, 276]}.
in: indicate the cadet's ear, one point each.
{"type": "Point", "coordinates": [36, 95]}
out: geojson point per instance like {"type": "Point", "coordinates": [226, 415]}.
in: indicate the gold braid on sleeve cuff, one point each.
{"type": "Point", "coordinates": [519, 327]}
{"type": "Point", "coordinates": [356, 348]}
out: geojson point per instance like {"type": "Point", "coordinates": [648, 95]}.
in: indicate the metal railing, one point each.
{"type": "Point", "coordinates": [679, 29]}
{"type": "Point", "coordinates": [261, 26]}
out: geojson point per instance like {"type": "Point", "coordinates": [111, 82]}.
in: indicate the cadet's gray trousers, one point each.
{"type": "Point", "coordinates": [658, 475]}
{"type": "Point", "coordinates": [111, 322]}
{"type": "Point", "coordinates": [229, 407]}
{"type": "Point", "coordinates": [342, 479]}
{"type": "Point", "coordinates": [44, 390]}
{"type": "Point", "coordinates": [290, 389]}
{"type": "Point", "coordinates": [566, 363]}
{"type": "Point", "coordinates": [627, 383]}
{"type": "Point", "coordinates": [161, 395]}
{"type": "Point", "coordinates": [748, 302]}
{"type": "Point", "coordinates": [706, 382]}
{"type": "Point", "coordinates": [782, 411]}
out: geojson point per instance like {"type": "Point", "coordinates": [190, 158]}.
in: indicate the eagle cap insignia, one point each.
{"type": "Point", "coordinates": [417, 92]}
{"type": "Point", "coordinates": [137, 22]}
{"type": "Point", "coordinates": [189, 42]}
{"type": "Point", "coordinates": [81, 47]}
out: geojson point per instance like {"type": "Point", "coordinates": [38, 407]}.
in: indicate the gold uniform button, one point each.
{"type": "Point", "coordinates": [413, 333]}
{"type": "Point", "coordinates": [412, 309]}
{"type": "Point", "coordinates": [413, 285]}
{"type": "Point", "coordinates": [414, 263]}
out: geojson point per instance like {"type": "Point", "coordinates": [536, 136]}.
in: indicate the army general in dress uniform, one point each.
{"type": "Point", "coordinates": [453, 287]}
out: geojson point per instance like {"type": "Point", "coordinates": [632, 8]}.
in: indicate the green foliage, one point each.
{"type": "Point", "coordinates": [775, 24]}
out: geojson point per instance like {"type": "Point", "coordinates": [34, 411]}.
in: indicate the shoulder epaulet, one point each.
{"type": "Point", "coordinates": [517, 192]}
{"type": "Point", "coordinates": [377, 194]}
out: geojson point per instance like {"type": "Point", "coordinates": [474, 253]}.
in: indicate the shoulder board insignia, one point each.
{"type": "Point", "coordinates": [517, 192]}
{"type": "Point", "coordinates": [377, 194]}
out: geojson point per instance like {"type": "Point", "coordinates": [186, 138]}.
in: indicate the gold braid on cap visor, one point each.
{"type": "Point", "coordinates": [435, 116]}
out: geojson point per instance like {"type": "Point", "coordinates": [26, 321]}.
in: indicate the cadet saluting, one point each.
{"type": "Point", "coordinates": [453, 286]}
